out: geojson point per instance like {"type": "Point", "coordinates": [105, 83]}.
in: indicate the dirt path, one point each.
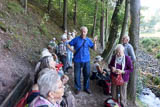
{"type": "Point", "coordinates": [96, 99]}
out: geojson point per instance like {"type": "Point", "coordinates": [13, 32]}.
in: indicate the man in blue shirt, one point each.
{"type": "Point", "coordinates": [82, 58]}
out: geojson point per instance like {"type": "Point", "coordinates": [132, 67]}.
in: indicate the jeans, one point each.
{"type": "Point", "coordinates": [69, 58]}
{"type": "Point", "coordinates": [63, 59]}
{"type": "Point", "coordinates": [86, 75]}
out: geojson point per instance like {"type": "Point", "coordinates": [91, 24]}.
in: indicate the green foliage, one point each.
{"type": "Point", "coordinates": [3, 26]}
{"type": "Point", "coordinates": [14, 7]}
{"type": "Point", "coordinates": [151, 44]}
{"type": "Point", "coordinates": [147, 42]}
{"type": "Point", "coordinates": [3, 14]}
{"type": "Point", "coordinates": [8, 44]}
{"type": "Point", "coordinates": [158, 55]}
{"type": "Point", "coordinates": [139, 83]}
{"type": "Point", "coordinates": [43, 27]}
{"type": "Point", "coordinates": [36, 31]}
{"type": "Point", "coordinates": [156, 80]}
{"type": "Point", "coordinates": [149, 48]}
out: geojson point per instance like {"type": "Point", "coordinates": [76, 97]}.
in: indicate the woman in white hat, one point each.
{"type": "Point", "coordinates": [97, 67]}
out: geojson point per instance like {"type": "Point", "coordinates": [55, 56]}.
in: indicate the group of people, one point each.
{"type": "Point", "coordinates": [121, 63]}
{"type": "Point", "coordinates": [50, 78]}
{"type": "Point", "coordinates": [63, 52]}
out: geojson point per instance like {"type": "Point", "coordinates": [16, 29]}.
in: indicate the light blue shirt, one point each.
{"type": "Point", "coordinates": [83, 55]}
{"type": "Point", "coordinates": [129, 51]}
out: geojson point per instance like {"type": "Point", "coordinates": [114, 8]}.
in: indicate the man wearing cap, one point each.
{"type": "Point", "coordinates": [53, 45]}
{"type": "Point", "coordinates": [81, 59]}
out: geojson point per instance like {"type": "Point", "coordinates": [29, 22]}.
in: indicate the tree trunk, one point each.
{"type": "Point", "coordinates": [24, 4]}
{"type": "Point", "coordinates": [125, 20]}
{"type": "Point", "coordinates": [65, 14]}
{"type": "Point", "coordinates": [134, 36]}
{"type": "Point", "coordinates": [49, 6]}
{"type": "Point", "coordinates": [95, 17]}
{"type": "Point", "coordinates": [75, 12]}
{"type": "Point", "coordinates": [60, 5]}
{"type": "Point", "coordinates": [113, 32]}
{"type": "Point", "coordinates": [106, 27]}
{"type": "Point", "coordinates": [102, 26]}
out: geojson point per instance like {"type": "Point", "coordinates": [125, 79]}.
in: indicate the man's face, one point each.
{"type": "Point", "coordinates": [124, 40]}
{"type": "Point", "coordinates": [84, 33]}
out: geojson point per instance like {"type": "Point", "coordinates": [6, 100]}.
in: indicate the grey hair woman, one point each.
{"type": "Point", "coordinates": [120, 64]}
{"type": "Point", "coordinates": [45, 62]}
{"type": "Point", "coordinates": [51, 89]}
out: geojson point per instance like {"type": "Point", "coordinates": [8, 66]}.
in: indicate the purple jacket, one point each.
{"type": "Point", "coordinates": [128, 67]}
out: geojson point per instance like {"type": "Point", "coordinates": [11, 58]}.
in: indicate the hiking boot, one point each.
{"type": "Point", "coordinates": [77, 92]}
{"type": "Point", "coordinates": [87, 91]}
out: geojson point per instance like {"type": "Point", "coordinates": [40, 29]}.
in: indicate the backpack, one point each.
{"type": "Point", "coordinates": [106, 85]}
{"type": "Point", "coordinates": [110, 102]}
{"type": "Point", "coordinates": [23, 101]}
{"type": "Point", "coordinates": [104, 82]}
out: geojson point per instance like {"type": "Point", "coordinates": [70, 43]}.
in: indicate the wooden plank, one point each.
{"type": "Point", "coordinates": [21, 88]}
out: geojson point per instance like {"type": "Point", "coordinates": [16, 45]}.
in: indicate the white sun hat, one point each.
{"type": "Point", "coordinates": [54, 38]}
{"type": "Point", "coordinates": [99, 58]}
{"type": "Point", "coordinates": [64, 36]}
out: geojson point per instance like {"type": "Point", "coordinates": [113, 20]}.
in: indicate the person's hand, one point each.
{"type": "Point", "coordinates": [120, 71]}
{"type": "Point", "coordinates": [95, 39]}
{"type": "Point", "coordinates": [114, 69]}
{"type": "Point", "coordinates": [65, 79]}
{"type": "Point", "coordinates": [104, 73]}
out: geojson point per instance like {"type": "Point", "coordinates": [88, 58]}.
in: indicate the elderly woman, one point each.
{"type": "Point", "coordinates": [51, 90]}
{"type": "Point", "coordinates": [48, 62]}
{"type": "Point", "coordinates": [120, 64]}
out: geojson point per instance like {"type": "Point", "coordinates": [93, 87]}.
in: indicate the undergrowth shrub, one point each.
{"type": "Point", "coordinates": [156, 80]}
{"type": "Point", "coordinates": [139, 83]}
{"type": "Point", "coordinates": [158, 55]}
{"type": "Point", "coordinates": [14, 7]}
{"type": "Point", "coordinates": [8, 44]}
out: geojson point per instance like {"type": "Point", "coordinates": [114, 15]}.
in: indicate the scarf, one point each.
{"type": "Point", "coordinates": [121, 61]}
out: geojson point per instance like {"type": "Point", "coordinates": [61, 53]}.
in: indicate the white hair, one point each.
{"type": "Point", "coordinates": [84, 27]}
{"type": "Point", "coordinates": [64, 36]}
{"type": "Point", "coordinates": [45, 52]}
{"type": "Point", "coordinates": [48, 81]}
{"type": "Point", "coordinates": [119, 46]}
{"type": "Point", "coordinates": [44, 62]}
{"type": "Point", "coordinates": [126, 37]}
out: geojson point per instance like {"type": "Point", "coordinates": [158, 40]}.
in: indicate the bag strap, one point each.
{"type": "Point", "coordinates": [79, 48]}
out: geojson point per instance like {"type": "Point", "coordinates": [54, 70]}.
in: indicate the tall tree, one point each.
{"type": "Point", "coordinates": [106, 24]}
{"type": "Point", "coordinates": [134, 36]}
{"type": "Point", "coordinates": [65, 14]}
{"type": "Point", "coordinates": [24, 4]}
{"type": "Point", "coordinates": [75, 12]}
{"type": "Point", "coordinates": [60, 5]}
{"type": "Point", "coordinates": [125, 20]}
{"type": "Point", "coordinates": [102, 25]}
{"type": "Point", "coordinates": [49, 6]}
{"type": "Point", "coordinates": [95, 18]}
{"type": "Point", "coordinates": [113, 32]}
